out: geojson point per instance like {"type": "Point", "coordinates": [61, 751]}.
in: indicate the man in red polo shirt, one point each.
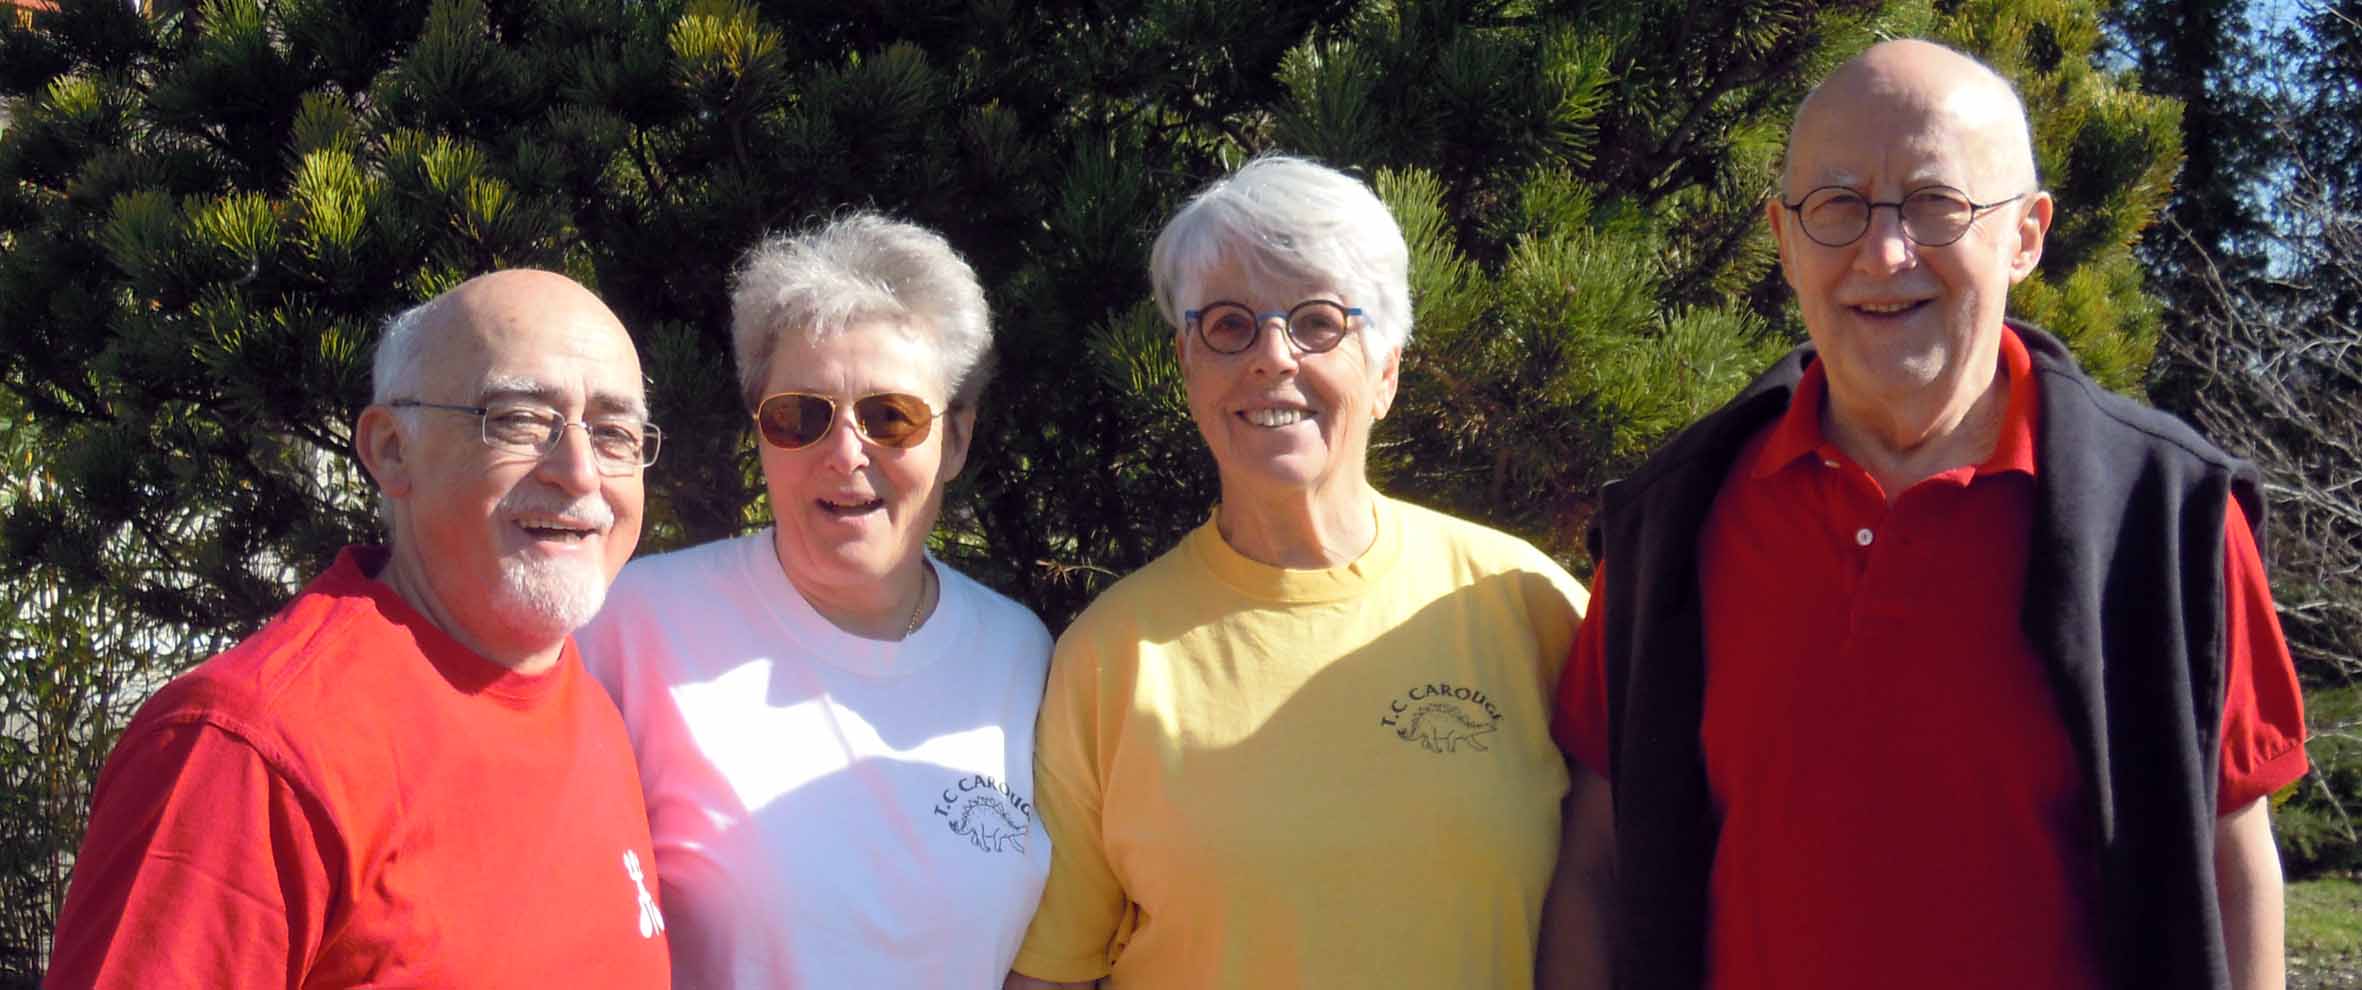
{"type": "Point", "coordinates": [406, 778]}
{"type": "Point", "coordinates": [1926, 662]}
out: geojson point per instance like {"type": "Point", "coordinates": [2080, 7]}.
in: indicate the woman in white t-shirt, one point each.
{"type": "Point", "coordinates": [835, 730]}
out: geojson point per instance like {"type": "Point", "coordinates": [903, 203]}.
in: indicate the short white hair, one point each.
{"type": "Point", "coordinates": [401, 353]}
{"type": "Point", "coordinates": [860, 267]}
{"type": "Point", "coordinates": [1288, 219]}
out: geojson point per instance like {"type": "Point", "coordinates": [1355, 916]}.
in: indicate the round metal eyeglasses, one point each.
{"type": "Point", "coordinates": [1314, 325]}
{"type": "Point", "coordinates": [1932, 216]}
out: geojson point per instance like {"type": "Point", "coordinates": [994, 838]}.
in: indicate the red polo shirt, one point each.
{"type": "Point", "coordinates": [1900, 803]}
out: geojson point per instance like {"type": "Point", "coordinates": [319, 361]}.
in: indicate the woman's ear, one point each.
{"type": "Point", "coordinates": [959, 430]}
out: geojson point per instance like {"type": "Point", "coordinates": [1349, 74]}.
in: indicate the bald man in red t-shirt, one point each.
{"type": "Point", "coordinates": [406, 778]}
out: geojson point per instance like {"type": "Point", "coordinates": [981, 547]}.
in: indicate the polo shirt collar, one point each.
{"type": "Point", "coordinates": [1797, 434]}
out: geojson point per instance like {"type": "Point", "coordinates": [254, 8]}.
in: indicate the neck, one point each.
{"type": "Point", "coordinates": [1300, 529]}
{"type": "Point", "coordinates": [407, 577]}
{"type": "Point", "coordinates": [882, 610]}
{"type": "Point", "coordinates": [1902, 443]}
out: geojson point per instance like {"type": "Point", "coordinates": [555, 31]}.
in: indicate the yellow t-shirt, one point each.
{"type": "Point", "coordinates": [1258, 777]}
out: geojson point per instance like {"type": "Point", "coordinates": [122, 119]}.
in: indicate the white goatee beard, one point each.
{"type": "Point", "coordinates": [549, 599]}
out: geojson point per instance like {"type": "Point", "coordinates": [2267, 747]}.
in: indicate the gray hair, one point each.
{"type": "Point", "coordinates": [1282, 218]}
{"type": "Point", "coordinates": [394, 369]}
{"type": "Point", "coordinates": [861, 267]}
{"type": "Point", "coordinates": [401, 353]}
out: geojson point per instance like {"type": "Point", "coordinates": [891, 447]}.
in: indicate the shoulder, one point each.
{"type": "Point", "coordinates": [999, 617]}
{"type": "Point", "coordinates": [1481, 549]}
{"type": "Point", "coordinates": [686, 574]}
{"type": "Point", "coordinates": [326, 642]}
{"type": "Point", "coordinates": [2132, 420]}
{"type": "Point", "coordinates": [2075, 407]}
{"type": "Point", "coordinates": [328, 668]}
{"type": "Point", "coordinates": [666, 609]}
{"type": "Point", "coordinates": [1471, 555]}
{"type": "Point", "coordinates": [1174, 577]}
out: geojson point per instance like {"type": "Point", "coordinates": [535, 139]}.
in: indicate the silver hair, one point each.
{"type": "Point", "coordinates": [1291, 220]}
{"type": "Point", "coordinates": [860, 267]}
{"type": "Point", "coordinates": [394, 370]}
{"type": "Point", "coordinates": [401, 353]}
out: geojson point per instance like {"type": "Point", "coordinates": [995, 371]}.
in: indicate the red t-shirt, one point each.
{"type": "Point", "coordinates": [1900, 803]}
{"type": "Point", "coordinates": [350, 797]}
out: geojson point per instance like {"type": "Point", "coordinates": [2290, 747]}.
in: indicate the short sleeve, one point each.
{"type": "Point", "coordinates": [1556, 605]}
{"type": "Point", "coordinates": [1580, 722]}
{"type": "Point", "coordinates": [1083, 902]}
{"type": "Point", "coordinates": [202, 867]}
{"type": "Point", "coordinates": [2263, 712]}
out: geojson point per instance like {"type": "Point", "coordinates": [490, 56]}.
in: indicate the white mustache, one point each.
{"type": "Point", "coordinates": [589, 510]}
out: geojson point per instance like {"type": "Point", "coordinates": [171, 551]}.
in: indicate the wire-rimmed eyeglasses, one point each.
{"type": "Point", "coordinates": [1315, 325]}
{"type": "Point", "coordinates": [620, 446]}
{"type": "Point", "coordinates": [1932, 216]}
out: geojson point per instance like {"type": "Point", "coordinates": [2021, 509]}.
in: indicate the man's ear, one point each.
{"type": "Point", "coordinates": [378, 439]}
{"type": "Point", "coordinates": [1777, 215]}
{"type": "Point", "coordinates": [2032, 229]}
{"type": "Point", "coordinates": [959, 431]}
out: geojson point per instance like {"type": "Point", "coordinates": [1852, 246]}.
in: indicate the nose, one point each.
{"type": "Point", "coordinates": [1884, 247]}
{"type": "Point", "coordinates": [1273, 353]}
{"type": "Point", "coordinates": [842, 448]}
{"type": "Point", "coordinates": [572, 465]}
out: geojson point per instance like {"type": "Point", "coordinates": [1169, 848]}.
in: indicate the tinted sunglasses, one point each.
{"type": "Point", "coordinates": [795, 420]}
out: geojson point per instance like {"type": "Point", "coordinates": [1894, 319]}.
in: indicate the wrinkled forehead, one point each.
{"type": "Point", "coordinates": [565, 360]}
{"type": "Point", "coordinates": [1887, 139]}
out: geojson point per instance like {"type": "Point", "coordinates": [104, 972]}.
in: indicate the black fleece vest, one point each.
{"type": "Point", "coordinates": [2123, 602]}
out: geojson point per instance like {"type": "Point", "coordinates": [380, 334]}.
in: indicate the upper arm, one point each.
{"type": "Point", "coordinates": [1575, 947]}
{"type": "Point", "coordinates": [1580, 721]}
{"type": "Point", "coordinates": [1083, 900]}
{"type": "Point", "coordinates": [201, 866]}
{"type": "Point", "coordinates": [2263, 723]}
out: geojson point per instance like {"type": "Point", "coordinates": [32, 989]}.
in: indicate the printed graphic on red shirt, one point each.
{"type": "Point", "coordinates": [651, 919]}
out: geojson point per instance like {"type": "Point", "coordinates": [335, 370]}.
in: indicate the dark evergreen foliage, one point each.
{"type": "Point", "coordinates": [206, 214]}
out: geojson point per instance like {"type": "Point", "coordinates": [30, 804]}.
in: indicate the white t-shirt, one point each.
{"type": "Point", "coordinates": [828, 811]}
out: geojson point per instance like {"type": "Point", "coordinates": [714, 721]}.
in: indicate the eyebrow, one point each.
{"type": "Point", "coordinates": [527, 389]}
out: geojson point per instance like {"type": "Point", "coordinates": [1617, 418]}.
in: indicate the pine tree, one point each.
{"type": "Point", "coordinates": [208, 212]}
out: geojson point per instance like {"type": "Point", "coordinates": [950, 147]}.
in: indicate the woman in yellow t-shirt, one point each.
{"type": "Point", "coordinates": [1309, 746]}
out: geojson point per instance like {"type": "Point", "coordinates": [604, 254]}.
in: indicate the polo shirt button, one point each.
{"type": "Point", "coordinates": [1862, 537]}
{"type": "Point", "coordinates": [1828, 463]}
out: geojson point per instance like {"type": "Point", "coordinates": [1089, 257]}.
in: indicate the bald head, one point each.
{"type": "Point", "coordinates": [1859, 105]}
{"type": "Point", "coordinates": [475, 313]}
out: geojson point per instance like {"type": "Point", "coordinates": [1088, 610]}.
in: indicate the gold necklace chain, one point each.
{"type": "Point", "coordinates": [926, 574]}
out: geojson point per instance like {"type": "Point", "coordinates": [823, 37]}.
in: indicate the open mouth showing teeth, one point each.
{"type": "Point", "coordinates": [849, 508]}
{"type": "Point", "coordinates": [1890, 309]}
{"type": "Point", "coordinates": [540, 531]}
{"type": "Point", "coordinates": [1275, 417]}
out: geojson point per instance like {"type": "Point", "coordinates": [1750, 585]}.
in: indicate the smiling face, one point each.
{"type": "Point", "coordinates": [1278, 420]}
{"type": "Point", "coordinates": [509, 551]}
{"type": "Point", "coordinates": [853, 515]}
{"type": "Point", "coordinates": [1899, 324]}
